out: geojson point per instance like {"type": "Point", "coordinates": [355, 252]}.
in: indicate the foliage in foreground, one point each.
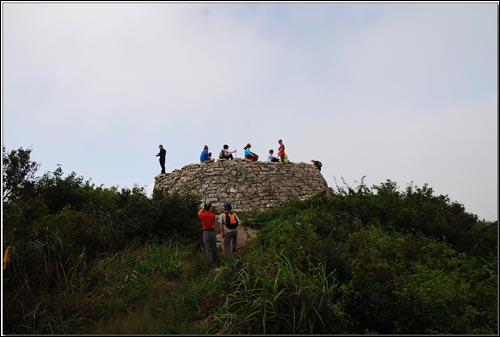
{"type": "Point", "coordinates": [383, 272]}
{"type": "Point", "coordinates": [102, 261]}
{"type": "Point", "coordinates": [59, 227]}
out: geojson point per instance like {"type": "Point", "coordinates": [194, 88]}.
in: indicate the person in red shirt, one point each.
{"type": "Point", "coordinates": [281, 151]}
{"type": "Point", "coordinates": [209, 235]}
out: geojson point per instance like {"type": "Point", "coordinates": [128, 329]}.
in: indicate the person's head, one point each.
{"type": "Point", "coordinates": [205, 147]}
{"type": "Point", "coordinates": [248, 145]}
{"type": "Point", "coordinates": [227, 207]}
{"type": "Point", "coordinates": [226, 146]}
{"type": "Point", "coordinates": [210, 154]}
{"type": "Point", "coordinates": [207, 206]}
{"type": "Point", "coordinates": [271, 151]}
{"type": "Point", "coordinates": [280, 141]}
{"type": "Point", "coordinates": [161, 146]}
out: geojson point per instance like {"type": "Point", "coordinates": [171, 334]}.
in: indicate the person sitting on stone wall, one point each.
{"type": "Point", "coordinates": [249, 155]}
{"type": "Point", "coordinates": [225, 153]}
{"type": "Point", "coordinates": [317, 164]}
{"type": "Point", "coordinates": [205, 156]}
{"type": "Point", "coordinates": [271, 157]}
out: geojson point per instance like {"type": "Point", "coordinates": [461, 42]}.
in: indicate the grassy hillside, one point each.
{"type": "Point", "coordinates": [90, 260]}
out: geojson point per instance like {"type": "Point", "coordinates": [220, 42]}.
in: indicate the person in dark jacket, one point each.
{"type": "Point", "coordinates": [162, 154]}
{"type": "Point", "coordinates": [317, 164]}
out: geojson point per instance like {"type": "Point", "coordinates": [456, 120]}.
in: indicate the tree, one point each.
{"type": "Point", "coordinates": [18, 173]}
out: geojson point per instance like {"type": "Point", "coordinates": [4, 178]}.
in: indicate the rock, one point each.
{"type": "Point", "coordinates": [250, 185]}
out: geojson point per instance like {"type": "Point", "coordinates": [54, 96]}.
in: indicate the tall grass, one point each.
{"type": "Point", "coordinates": [280, 299]}
{"type": "Point", "coordinates": [110, 291]}
{"type": "Point", "coordinates": [160, 289]}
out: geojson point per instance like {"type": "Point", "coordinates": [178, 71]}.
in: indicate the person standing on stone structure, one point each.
{"type": "Point", "coordinates": [209, 235]}
{"type": "Point", "coordinates": [281, 151]}
{"type": "Point", "coordinates": [228, 224]}
{"type": "Point", "coordinates": [162, 154]}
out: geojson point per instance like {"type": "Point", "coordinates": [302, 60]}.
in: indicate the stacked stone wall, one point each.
{"type": "Point", "coordinates": [246, 185]}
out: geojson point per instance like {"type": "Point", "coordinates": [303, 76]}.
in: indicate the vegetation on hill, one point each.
{"type": "Point", "coordinates": [93, 260]}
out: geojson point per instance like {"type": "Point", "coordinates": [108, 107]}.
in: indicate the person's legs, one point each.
{"type": "Point", "coordinates": [206, 242]}
{"type": "Point", "coordinates": [162, 164]}
{"type": "Point", "coordinates": [234, 240]}
{"type": "Point", "coordinates": [227, 242]}
{"type": "Point", "coordinates": [213, 246]}
{"type": "Point", "coordinates": [231, 238]}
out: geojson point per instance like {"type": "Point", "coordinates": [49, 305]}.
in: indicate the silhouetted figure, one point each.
{"type": "Point", "coordinates": [162, 154]}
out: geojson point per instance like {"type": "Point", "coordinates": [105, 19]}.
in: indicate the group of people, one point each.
{"type": "Point", "coordinates": [226, 154]}
{"type": "Point", "coordinates": [228, 226]}
{"type": "Point", "coordinates": [281, 154]}
{"type": "Point", "coordinates": [228, 221]}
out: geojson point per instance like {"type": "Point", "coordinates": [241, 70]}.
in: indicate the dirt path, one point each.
{"type": "Point", "coordinates": [245, 235]}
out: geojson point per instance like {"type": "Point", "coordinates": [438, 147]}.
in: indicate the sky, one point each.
{"type": "Point", "coordinates": [402, 91]}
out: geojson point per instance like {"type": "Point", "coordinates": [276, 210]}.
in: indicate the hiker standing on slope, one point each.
{"type": "Point", "coordinates": [209, 236]}
{"type": "Point", "coordinates": [228, 224]}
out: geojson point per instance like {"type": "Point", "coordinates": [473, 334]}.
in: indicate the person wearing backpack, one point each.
{"type": "Point", "coordinates": [225, 153]}
{"type": "Point", "coordinates": [228, 224]}
{"type": "Point", "coordinates": [209, 235]}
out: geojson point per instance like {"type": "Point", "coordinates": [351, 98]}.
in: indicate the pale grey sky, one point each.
{"type": "Point", "coordinates": [400, 91]}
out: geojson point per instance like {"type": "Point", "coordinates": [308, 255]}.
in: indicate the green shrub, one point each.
{"type": "Point", "coordinates": [280, 299]}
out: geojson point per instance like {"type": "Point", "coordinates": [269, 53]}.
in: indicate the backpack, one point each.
{"type": "Point", "coordinates": [222, 155]}
{"type": "Point", "coordinates": [231, 221]}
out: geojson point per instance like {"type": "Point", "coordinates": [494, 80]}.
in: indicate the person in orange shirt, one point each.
{"type": "Point", "coordinates": [209, 235]}
{"type": "Point", "coordinates": [281, 151]}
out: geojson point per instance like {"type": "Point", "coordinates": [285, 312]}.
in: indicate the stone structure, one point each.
{"type": "Point", "coordinates": [246, 185]}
